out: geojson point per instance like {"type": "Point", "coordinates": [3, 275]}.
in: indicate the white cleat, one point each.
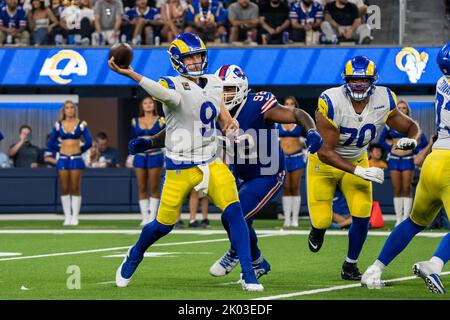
{"type": "Point", "coordinates": [372, 278]}
{"type": "Point", "coordinates": [254, 287]}
{"type": "Point", "coordinates": [74, 221]}
{"type": "Point", "coordinates": [121, 282]}
{"type": "Point", "coordinates": [224, 265]}
{"type": "Point", "coordinates": [432, 280]}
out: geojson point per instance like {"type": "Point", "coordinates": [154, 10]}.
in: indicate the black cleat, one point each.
{"type": "Point", "coordinates": [350, 272]}
{"type": "Point", "coordinates": [315, 239]}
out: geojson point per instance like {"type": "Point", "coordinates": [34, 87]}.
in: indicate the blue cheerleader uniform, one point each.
{"type": "Point", "coordinates": [70, 161]}
{"type": "Point", "coordinates": [295, 160]}
{"type": "Point", "coordinates": [396, 162]}
{"type": "Point", "coordinates": [153, 158]}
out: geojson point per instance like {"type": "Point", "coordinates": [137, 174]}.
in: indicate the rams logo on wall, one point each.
{"type": "Point", "coordinates": [55, 68]}
{"type": "Point", "coordinates": [410, 61]}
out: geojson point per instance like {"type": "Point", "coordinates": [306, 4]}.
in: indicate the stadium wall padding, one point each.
{"type": "Point", "coordinates": [114, 191]}
{"type": "Point", "coordinates": [276, 66]}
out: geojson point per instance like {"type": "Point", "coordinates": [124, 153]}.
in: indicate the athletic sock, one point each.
{"type": "Point", "coordinates": [143, 207]}
{"type": "Point", "coordinates": [76, 206]}
{"type": "Point", "coordinates": [150, 233]}
{"type": "Point", "coordinates": [65, 202]}
{"type": "Point", "coordinates": [407, 206]}
{"type": "Point", "coordinates": [398, 240]}
{"type": "Point", "coordinates": [287, 209]}
{"type": "Point", "coordinates": [296, 203]}
{"type": "Point", "coordinates": [154, 203]}
{"type": "Point", "coordinates": [239, 235]}
{"type": "Point", "coordinates": [356, 237]}
{"type": "Point", "coordinates": [442, 254]}
{"type": "Point", "coordinates": [398, 208]}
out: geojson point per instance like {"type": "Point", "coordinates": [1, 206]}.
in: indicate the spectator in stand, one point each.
{"type": "Point", "coordinates": [244, 19]}
{"type": "Point", "coordinates": [173, 15]}
{"type": "Point", "coordinates": [78, 22]}
{"type": "Point", "coordinates": [306, 17]}
{"type": "Point", "coordinates": [342, 23]}
{"type": "Point", "coordinates": [41, 22]}
{"type": "Point", "coordinates": [194, 200]}
{"type": "Point", "coordinates": [92, 157]}
{"type": "Point", "coordinates": [142, 20]}
{"type": "Point", "coordinates": [108, 19]}
{"type": "Point", "coordinates": [13, 23]}
{"type": "Point", "coordinates": [375, 156]}
{"type": "Point", "coordinates": [110, 154]}
{"type": "Point", "coordinates": [4, 159]}
{"type": "Point", "coordinates": [274, 20]}
{"type": "Point", "coordinates": [23, 153]}
{"type": "Point", "coordinates": [207, 19]}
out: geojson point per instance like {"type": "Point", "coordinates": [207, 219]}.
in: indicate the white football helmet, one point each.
{"type": "Point", "coordinates": [233, 76]}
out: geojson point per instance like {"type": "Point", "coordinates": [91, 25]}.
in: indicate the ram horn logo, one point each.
{"type": "Point", "coordinates": [75, 65]}
{"type": "Point", "coordinates": [410, 61]}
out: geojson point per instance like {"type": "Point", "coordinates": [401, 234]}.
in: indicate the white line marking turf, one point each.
{"type": "Point", "coordinates": [280, 232]}
{"type": "Point", "coordinates": [117, 248]}
{"type": "Point", "coordinates": [335, 288]}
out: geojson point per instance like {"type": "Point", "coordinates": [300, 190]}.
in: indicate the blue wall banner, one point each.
{"type": "Point", "coordinates": [264, 66]}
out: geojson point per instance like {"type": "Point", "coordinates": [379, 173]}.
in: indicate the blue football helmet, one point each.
{"type": "Point", "coordinates": [183, 45]}
{"type": "Point", "coordinates": [360, 67]}
{"type": "Point", "coordinates": [443, 59]}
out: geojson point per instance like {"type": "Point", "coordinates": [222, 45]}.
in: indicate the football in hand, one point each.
{"type": "Point", "coordinates": [122, 53]}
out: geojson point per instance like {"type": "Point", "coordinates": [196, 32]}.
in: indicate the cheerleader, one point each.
{"type": "Point", "coordinates": [148, 165]}
{"type": "Point", "coordinates": [292, 145]}
{"type": "Point", "coordinates": [67, 133]}
{"type": "Point", "coordinates": [401, 166]}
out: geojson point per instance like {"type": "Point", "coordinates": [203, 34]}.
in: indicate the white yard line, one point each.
{"type": "Point", "coordinates": [336, 288]}
{"type": "Point", "coordinates": [115, 248]}
{"type": "Point", "coordinates": [279, 232]}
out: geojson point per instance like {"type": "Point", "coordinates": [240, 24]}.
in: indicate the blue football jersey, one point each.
{"type": "Point", "coordinates": [299, 12]}
{"type": "Point", "coordinates": [258, 152]}
{"type": "Point", "coordinates": [148, 15]}
{"type": "Point", "coordinates": [14, 19]}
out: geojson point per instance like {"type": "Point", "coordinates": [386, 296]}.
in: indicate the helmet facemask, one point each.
{"type": "Point", "coordinates": [183, 68]}
{"type": "Point", "coordinates": [234, 98]}
{"type": "Point", "coordinates": [359, 91]}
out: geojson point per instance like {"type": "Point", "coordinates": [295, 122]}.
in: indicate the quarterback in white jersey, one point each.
{"type": "Point", "coordinates": [348, 119]}
{"type": "Point", "coordinates": [192, 104]}
{"type": "Point", "coordinates": [432, 192]}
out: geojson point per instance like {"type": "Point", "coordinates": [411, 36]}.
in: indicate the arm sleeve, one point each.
{"type": "Point", "coordinates": [52, 143]}
{"type": "Point", "coordinates": [269, 101]}
{"type": "Point", "coordinates": [161, 91]}
{"type": "Point", "coordinates": [382, 140]}
{"type": "Point", "coordinates": [1, 136]}
{"type": "Point", "coordinates": [87, 139]}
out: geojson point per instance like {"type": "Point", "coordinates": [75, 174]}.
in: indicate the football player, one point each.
{"type": "Point", "coordinates": [348, 119]}
{"type": "Point", "coordinates": [432, 192]}
{"type": "Point", "coordinates": [192, 104]}
{"type": "Point", "coordinates": [259, 180]}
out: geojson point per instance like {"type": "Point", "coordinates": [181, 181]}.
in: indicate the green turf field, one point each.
{"type": "Point", "coordinates": [177, 267]}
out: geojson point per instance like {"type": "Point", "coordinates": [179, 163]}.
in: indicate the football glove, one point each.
{"type": "Point", "coordinates": [139, 145]}
{"type": "Point", "coordinates": [313, 141]}
{"type": "Point", "coordinates": [370, 174]}
{"type": "Point", "coordinates": [406, 144]}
